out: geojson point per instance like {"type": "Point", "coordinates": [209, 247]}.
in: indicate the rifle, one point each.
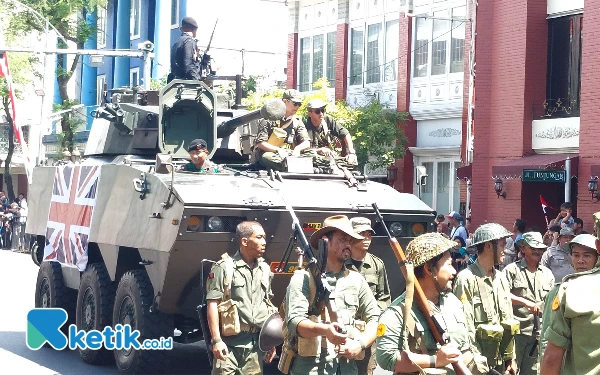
{"type": "Point", "coordinates": [205, 62]}
{"type": "Point", "coordinates": [536, 330]}
{"type": "Point", "coordinates": [434, 321]}
{"type": "Point", "coordinates": [203, 317]}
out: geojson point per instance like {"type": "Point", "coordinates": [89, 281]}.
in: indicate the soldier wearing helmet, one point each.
{"type": "Point", "coordinates": [529, 283]}
{"type": "Point", "coordinates": [574, 307]}
{"type": "Point", "coordinates": [430, 255]}
{"type": "Point", "coordinates": [485, 296]}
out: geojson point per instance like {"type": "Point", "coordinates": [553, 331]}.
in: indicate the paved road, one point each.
{"type": "Point", "coordinates": [17, 289]}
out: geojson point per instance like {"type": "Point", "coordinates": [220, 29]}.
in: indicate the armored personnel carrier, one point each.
{"type": "Point", "coordinates": [125, 237]}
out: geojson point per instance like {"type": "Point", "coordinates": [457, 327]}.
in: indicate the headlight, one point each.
{"type": "Point", "coordinates": [418, 229]}
{"type": "Point", "coordinates": [194, 224]}
{"type": "Point", "coordinates": [395, 229]}
{"type": "Point", "coordinates": [215, 224]}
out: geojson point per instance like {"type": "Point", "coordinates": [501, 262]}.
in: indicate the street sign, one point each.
{"type": "Point", "coordinates": [542, 175]}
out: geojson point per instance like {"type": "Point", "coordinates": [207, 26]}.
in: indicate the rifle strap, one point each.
{"type": "Point", "coordinates": [408, 324]}
{"type": "Point", "coordinates": [488, 304]}
{"type": "Point", "coordinates": [228, 276]}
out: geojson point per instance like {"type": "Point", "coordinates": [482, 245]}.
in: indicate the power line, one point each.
{"type": "Point", "coordinates": [245, 50]}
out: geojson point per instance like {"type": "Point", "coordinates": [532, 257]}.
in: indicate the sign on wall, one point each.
{"type": "Point", "coordinates": [542, 175]}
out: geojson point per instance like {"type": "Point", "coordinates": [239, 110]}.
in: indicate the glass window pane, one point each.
{"type": "Point", "coordinates": [456, 194]}
{"type": "Point", "coordinates": [317, 65]}
{"type": "Point", "coordinates": [427, 189]}
{"type": "Point", "coordinates": [392, 31]}
{"type": "Point", "coordinates": [457, 45]}
{"type": "Point", "coordinates": [134, 22]}
{"type": "Point", "coordinates": [373, 68]}
{"type": "Point", "coordinates": [443, 187]}
{"type": "Point", "coordinates": [331, 38]}
{"type": "Point", "coordinates": [421, 50]}
{"type": "Point", "coordinates": [174, 12]}
{"type": "Point", "coordinates": [356, 57]}
{"type": "Point", "coordinates": [304, 77]}
{"type": "Point", "coordinates": [438, 45]}
{"type": "Point", "coordinates": [101, 26]}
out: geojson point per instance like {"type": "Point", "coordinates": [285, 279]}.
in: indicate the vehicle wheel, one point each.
{"type": "Point", "coordinates": [94, 309]}
{"type": "Point", "coordinates": [133, 301]}
{"type": "Point", "coordinates": [51, 291]}
{"type": "Point", "coordinates": [37, 252]}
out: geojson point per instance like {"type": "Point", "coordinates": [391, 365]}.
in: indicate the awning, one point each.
{"type": "Point", "coordinates": [465, 173]}
{"type": "Point", "coordinates": [514, 168]}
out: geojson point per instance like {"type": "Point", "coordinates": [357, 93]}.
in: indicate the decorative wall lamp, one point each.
{"type": "Point", "coordinates": [498, 188]}
{"type": "Point", "coordinates": [593, 188]}
{"type": "Point", "coordinates": [392, 174]}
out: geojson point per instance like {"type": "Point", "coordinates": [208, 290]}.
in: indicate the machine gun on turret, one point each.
{"type": "Point", "coordinates": [205, 61]}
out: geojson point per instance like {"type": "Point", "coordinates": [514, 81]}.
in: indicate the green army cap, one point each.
{"type": "Point", "coordinates": [427, 246]}
{"type": "Point", "coordinates": [316, 103]}
{"type": "Point", "coordinates": [361, 224]}
{"type": "Point", "coordinates": [293, 95]}
{"type": "Point", "coordinates": [533, 239]}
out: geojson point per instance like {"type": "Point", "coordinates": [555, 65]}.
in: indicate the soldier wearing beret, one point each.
{"type": "Point", "coordinates": [373, 270]}
{"type": "Point", "coordinates": [430, 255]}
{"type": "Point", "coordinates": [184, 53]}
{"type": "Point", "coordinates": [575, 321]}
{"type": "Point", "coordinates": [529, 283]}
{"type": "Point", "coordinates": [199, 154]}
{"type": "Point", "coordinates": [325, 134]}
{"type": "Point", "coordinates": [276, 140]}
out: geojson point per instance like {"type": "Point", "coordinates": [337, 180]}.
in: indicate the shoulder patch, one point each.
{"type": "Point", "coordinates": [555, 303]}
{"type": "Point", "coordinates": [380, 330]}
{"type": "Point", "coordinates": [463, 297]}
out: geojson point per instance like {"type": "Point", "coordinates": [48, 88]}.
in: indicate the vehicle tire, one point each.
{"type": "Point", "coordinates": [37, 252]}
{"type": "Point", "coordinates": [133, 302]}
{"type": "Point", "coordinates": [51, 291]}
{"type": "Point", "coordinates": [94, 309]}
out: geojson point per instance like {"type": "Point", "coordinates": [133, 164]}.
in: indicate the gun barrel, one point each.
{"type": "Point", "coordinates": [226, 128]}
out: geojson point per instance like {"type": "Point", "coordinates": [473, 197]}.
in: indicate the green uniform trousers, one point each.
{"type": "Point", "coordinates": [240, 361]}
{"type": "Point", "coordinates": [527, 365]}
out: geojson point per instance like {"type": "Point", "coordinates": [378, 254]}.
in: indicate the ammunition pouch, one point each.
{"type": "Point", "coordinates": [489, 337]}
{"type": "Point", "coordinates": [511, 328]}
{"type": "Point", "coordinates": [285, 360]}
{"type": "Point", "coordinates": [354, 333]}
{"type": "Point", "coordinates": [476, 363]}
{"type": "Point", "coordinates": [229, 318]}
{"type": "Point", "coordinates": [311, 347]}
{"type": "Point", "coordinates": [277, 137]}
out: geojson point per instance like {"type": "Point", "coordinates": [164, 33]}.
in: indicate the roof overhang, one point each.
{"type": "Point", "coordinates": [514, 168]}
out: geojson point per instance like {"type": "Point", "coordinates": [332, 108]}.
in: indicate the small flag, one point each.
{"type": "Point", "coordinates": [544, 206]}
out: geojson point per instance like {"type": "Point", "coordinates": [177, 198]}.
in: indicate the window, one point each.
{"type": "Point", "coordinates": [563, 79]}
{"type": "Point", "coordinates": [101, 27]}
{"type": "Point", "coordinates": [304, 81]}
{"type": "Point", "coordinates": [175, 13]}
{"type": "Point", "coordinates": [317, 51]}
{"type": "Point", "coordinates": [442, 190]}
{"type": "Point", "coordinates": [457, 43]}
{"type": "Point", "coordinates": [134, 19]}
{"type": "Point", "coordinates": [100, 83]}
{"type": "Point", "coordinates": [331, 37]}
{"type": "Point", "coordinates": [392, 31]}
{"type": "Point", "coordinates": [373, 70]}
{"type": "Point", "coordinates": [438, 45]}
{"type": "Point", "coordinates": [356, 59]}
{"type": "Point", "coordinates": [134, 77]}
{"type": "Point", "coordinates": [421, 51]}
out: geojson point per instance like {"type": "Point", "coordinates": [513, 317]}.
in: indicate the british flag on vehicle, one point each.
{"type": "Point", "coordinates": [70, 217]}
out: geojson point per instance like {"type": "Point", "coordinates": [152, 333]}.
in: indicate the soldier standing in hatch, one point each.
{"type": "Point", "coordinates": [485, 295]}
{"type": "Point", "coordinates": [373, 270]}
{"type": "Point", "coordinates": [199, 154]}
{"type": "Point", "coordinates": [239, 301]}
{"type": "Point", "coordinates": [184, 53]}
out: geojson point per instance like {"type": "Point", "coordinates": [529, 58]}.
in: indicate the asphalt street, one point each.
{"type": "Point", "coordinates": [18, 275]}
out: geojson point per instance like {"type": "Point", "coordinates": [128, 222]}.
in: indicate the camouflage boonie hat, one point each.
{"type": "Point", "coordinates": [293, 95]}
{"type": "Point", "coordinates": [533, 239]}
{"type": "Point", "coordinates": [427, 246]}
{"type": "Point", "coordinates": [489, 232]}
{"type": "Point", "coordinates": [361, 224]}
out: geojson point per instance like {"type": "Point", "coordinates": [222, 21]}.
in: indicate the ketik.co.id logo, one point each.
{"type": "Point", "coordinates": [43, 326]}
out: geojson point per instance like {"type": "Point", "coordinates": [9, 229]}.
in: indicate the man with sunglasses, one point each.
{"type": "Point", "coordinates": [199, 158]}
{"type": "Point", "coordinates": [276, 140]}
{"type": "Point", "coordinates": [324, 134]}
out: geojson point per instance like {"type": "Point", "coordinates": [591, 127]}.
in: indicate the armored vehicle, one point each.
{"type": "Point", "coordinates": [125, 237]}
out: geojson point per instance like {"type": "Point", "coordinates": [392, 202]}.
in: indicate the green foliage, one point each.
{"type": "Point", "coordinates": [70, 123]}
{"type": "Point", "coordinates": [249, 85]}
{"type": "Point", "coordinates": [377, 131]}
{"type": "Point", "coordinates": [158, 84]}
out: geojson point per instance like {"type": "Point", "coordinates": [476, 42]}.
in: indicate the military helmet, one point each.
{"type": "Point", "coordinates": [586, 240]}
{"type": "Point", "coordinates": [489, 232]}
{"type": "Point", "coordinates": [427, 246]}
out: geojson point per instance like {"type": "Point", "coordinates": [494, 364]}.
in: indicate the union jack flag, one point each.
{"type": "Point", "coordinates": [70, 217]}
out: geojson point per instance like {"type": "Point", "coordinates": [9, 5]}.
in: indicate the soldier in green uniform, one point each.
{"type": "Point", "coordinates": [485, 296]}
{"type": "Point", "coordinates": [529, 283]}
{"type": "Point", "coordinates": [430, 255]}
{"type": "Point", "coordinates": [276, 140]}
{"type": "Point", "coordinates": [373, 270]}
{"type": "Point", "coordinates": [583, 255]}
{"type": "Point", "coordinates": [239, 301]}
{"type": "Point", "coordinates": [575, 320]}
{"type": "Point", "coordinates": [317, 344]}
{"type": "Point", "coordinates": [199, 154]}
{"type": "Point", "coordinates": [325, 136]}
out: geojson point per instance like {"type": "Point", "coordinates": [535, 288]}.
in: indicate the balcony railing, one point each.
{"type": "Point", "coordinates": [556, 108]}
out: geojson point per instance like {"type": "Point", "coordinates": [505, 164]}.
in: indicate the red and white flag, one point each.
{"type": "Point", "coordinates": [544, 206]}
{"type": "Point", "coordinates": [5, 72]}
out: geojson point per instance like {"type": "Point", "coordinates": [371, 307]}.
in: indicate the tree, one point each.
{"type": "Point", "coordinates": [22, 72]}
{"type": "Point", "coordinates": [376, 131]}
{"type": "Point", "coordinates": [69, 18]}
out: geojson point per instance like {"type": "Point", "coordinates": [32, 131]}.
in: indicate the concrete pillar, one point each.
{"type": "Point", "coordinates": [162, 38]}
{"type": "Point", "coordinates": [88, 80]}
{"type": "Point", "coordinates": [122, 64]}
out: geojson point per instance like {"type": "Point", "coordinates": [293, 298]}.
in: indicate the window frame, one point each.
{"type": "Point", "coordinates": [135, 34]}
{"type": "Point", "coordinates": [133, 71]}
{"type": "Point", "coordinates": [101, 30]}
{"type": "Point", "coordinates": [432, 181]}
{"type": "Point", "coordinates": [178, 9]}
{"type": "Point", "coordinates": [99, 88]}
{"type": "Point", "coordinates": [310, 34]}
